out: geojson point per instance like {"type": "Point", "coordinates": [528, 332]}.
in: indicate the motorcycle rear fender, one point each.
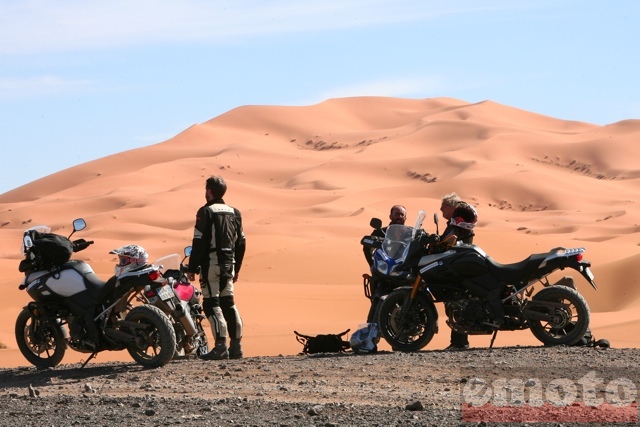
{"type": "Point", "coordinates": [581, 267]}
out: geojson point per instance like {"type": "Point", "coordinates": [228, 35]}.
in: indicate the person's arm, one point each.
{"type": "Point", "coordinates": [241, 245]}
{"type": "Point", "coordinates": [200, 244]}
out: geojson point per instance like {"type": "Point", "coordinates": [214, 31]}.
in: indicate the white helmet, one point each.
{"type": "Point", "coordinates": [365, 339]}
{"type": "Point", "coordinates": [130, 257]}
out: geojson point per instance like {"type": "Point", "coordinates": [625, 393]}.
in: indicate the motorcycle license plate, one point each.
{"type": "Point", "coordinates": [165, 292]}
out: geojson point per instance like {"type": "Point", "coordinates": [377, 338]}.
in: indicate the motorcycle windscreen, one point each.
{"type": "Point", "coordinates": [397, 240]}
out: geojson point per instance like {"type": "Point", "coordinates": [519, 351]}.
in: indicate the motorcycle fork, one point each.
{"type": "Point", "coordinates": [412, 296]}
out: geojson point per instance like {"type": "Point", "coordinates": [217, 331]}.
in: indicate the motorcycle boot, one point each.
{"type": "Point", "coordinates": [219, 352]}
{"type": "Point", "coordinates": [235, 349]}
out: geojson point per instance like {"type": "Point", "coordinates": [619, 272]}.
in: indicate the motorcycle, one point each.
{"type": "Point", "coordinates": [180, 300]}
{"type": "Point", "coordinates": [389, 252]}
{"type": "Point", "coordinates": [481, 296]}
{"type": "Point", "coordinates": [73, 308]}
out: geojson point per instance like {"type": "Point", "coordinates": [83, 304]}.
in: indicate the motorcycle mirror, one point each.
{"type": "Point", "coordinates": [187, 251]}
{"type": "Point", "coordinates": [78, 225]}
{"type": "Point", "coordinates": [375, 223]}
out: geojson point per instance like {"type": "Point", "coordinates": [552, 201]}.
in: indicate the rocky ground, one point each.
{"type": "Point", "coordinates": [439, 388]}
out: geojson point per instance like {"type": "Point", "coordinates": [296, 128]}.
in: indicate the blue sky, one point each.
{"type": "Point", "coordinates": [82, 79]}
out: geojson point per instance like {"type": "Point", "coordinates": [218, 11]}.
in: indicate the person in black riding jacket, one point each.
{"type": "Point", "coordinates": [398, 215]}
{"type": "Point", "coordinates": [218, 250]}
{"type": "Point", "coordinates": [461, 219]}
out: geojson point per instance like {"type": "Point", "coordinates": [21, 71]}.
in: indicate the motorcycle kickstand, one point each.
{"type": "Point", "coordinates": [93, 355]}
{"type": "Point", "coordinates": [493, 338]}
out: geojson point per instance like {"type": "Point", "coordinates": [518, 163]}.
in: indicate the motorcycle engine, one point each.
{"type": "Point", "coordinates": [466, 315]}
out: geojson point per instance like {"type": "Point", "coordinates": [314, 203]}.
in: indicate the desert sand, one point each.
{"type": "Point", "coordinates": [309, 179]}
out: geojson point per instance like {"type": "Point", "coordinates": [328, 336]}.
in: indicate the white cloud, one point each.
{"type": "Point", "coordinates": [42, 26]}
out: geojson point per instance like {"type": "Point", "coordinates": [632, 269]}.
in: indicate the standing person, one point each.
{"type": "Point", "coordinates": [461, 218]}
{"type": "Point", "coordinates": [218, 250]}
{"type": "Point", "coordinates": [398, 215]}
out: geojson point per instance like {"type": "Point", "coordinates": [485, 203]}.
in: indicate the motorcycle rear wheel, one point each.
{"type": "Point", "coordinates": [41, 343]}
{"type": "Point", "coordinates": [407, 331]}
{"type": "Point", "coordinates": [156, 341]}
{"type": "Point", "coordinates": [569, 324]}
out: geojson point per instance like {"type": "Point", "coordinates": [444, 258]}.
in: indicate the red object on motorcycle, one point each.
{"type": "Point", "coordinates": [184, 290]}
{"type": "Point", "coordinates": [150, 294]}
{"type": "Point", "coordinates": [154, 275]}
{"type": "Point", "coordinates": [579, 257]}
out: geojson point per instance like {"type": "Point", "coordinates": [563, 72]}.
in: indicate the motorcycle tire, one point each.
{"type": "Point", "coordinates": [156, 342]}
{"type": "Point", "coordinates": [569, 324]}
{"type": "Point", "coordinates": [204, 344]}
{"type": "Point", "coordinates": [41, 343]}
{"type": "Point", "coordinates": [407, 331]}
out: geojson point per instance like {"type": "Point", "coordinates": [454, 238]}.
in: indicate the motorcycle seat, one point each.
{"type": "Point", "coordinates": [99, 289]}
{"type": "Point", "coordinates": [513, 273]}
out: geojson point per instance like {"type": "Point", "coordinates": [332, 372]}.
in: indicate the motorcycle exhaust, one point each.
{"type": "Point", "coordinates": [181, 314]}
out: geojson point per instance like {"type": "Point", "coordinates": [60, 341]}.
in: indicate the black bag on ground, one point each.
{"type": "Point", "coordinates": [327, 343]}
{"type": "Point", "coordinates": [51, 250]}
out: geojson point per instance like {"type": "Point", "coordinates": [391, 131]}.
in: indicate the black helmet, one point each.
{"type": "Point", "coordinates": [464, 217]}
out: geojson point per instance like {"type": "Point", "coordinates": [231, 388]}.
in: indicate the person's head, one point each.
{"type": "Point", "coordinates": [449, 203]}
{"type": "Point", "coordinates": [215, 188]}
{"type": "Point", "coordinates": [130, 257]}
{"type": "Point", "coordinates": [398, 215]}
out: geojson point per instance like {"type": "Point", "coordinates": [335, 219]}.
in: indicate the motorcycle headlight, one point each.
{"type": "Point", "coordinates": [382, 267]}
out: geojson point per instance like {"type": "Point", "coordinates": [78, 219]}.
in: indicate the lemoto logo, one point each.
{"type": "Point", "coordinates": [587, 399]}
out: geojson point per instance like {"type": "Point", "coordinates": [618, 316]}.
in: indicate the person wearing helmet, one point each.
{"type": "Point", "coordinates": [461, 220]}
{"type": "Point", "coordinates": [218, 251]}
{"type": "Point", "coordinates": [130, 257]}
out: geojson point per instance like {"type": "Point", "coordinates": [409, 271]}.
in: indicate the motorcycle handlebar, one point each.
{"type": "Point", "coordinates": [81, 244]}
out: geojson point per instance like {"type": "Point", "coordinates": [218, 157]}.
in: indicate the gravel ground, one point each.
{"type": "Point", "coordinates": [427, 388]}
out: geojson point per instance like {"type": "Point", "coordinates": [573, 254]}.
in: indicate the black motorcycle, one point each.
{"type": "Point", "coordinates": [481, 296]}
{"type": "Point", "coordinates": [74, 308]}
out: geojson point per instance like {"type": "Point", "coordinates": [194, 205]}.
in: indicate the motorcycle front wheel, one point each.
{"type": "Point", "coordinates": [41, 343]}
{"type": "Point", "coordinates": [568, 322]}
{"type": "Point", "coordinates": [408, 328]}
{"type": "Point", "coordinates": [155, 342]}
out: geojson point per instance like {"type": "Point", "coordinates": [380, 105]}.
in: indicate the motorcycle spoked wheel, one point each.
{"type": "Point", "coordinates": [406, 331]}
{"type": "Point", "coordinates": [156, 341]}
{"type": "Point", "coordinates": [41, 343]}
{"type": "Point", "coordinates": [569, 324]}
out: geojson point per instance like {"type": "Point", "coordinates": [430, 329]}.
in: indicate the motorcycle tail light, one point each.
{"type": "Point", "coordinates": [154, 275]}
{"type": "Point", "coordinates": [150, 294]}
{"type": "Point", "coordinates": [579, 257]}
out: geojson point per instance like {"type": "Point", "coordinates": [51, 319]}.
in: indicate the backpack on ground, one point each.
{"type": "Point", "coordinates": [327, 343]}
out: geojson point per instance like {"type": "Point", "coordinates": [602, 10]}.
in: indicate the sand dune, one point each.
{"type": "Point", "coordinates": [308, 179]}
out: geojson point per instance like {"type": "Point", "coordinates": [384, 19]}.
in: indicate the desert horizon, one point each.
{"type": "Point", "coordinates": [308, 180]}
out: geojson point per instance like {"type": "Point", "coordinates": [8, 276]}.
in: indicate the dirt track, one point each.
{"type": "Point", "coordinates": [423, 388]}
